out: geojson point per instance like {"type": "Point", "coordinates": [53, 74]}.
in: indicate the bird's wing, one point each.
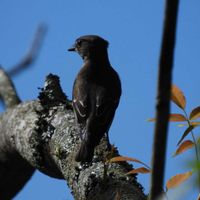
{"type": "Point", "coordinates": [108, 96]}
{"type": "Point", "coordinates": [105, 109]}
{"type": "Point", "coordinates": [80, 108]}
{"type": "Point", "coordinates": [80, 102]}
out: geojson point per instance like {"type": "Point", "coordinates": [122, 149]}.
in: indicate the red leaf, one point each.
{"type": "Point", "coordinates": [195, 123]}
{"type": "Point", "coordinates": [178, 97]}
{"type": "Point", "coordinates": [123, 158]}
{"type": "Point", "coordinates": [191, 123]}
{"type": "Point", "coordinates": [177, 180]}
{"type": "Point", "coordinates": [177, 118]}
{"type": "Point", "coordinates": [140, 170]}
{"type": "Point", "coordinates": [172, 118]}
{"type": "Point", "coordinates": [195, 113]}
{"type": "Point", "coordinates": [188, 144]}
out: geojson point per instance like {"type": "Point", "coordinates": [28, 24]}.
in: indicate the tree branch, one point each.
{"type": "Point", "coordinates": [44, 134]}
{"type": "Point", "coordinates": [163, 98]}
{"type": "Point", "coordinates": [7, 90]}
{"type": "Point", "coordinates": [33, 52]}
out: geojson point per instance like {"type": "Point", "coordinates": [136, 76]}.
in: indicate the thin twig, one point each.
{"type": "Point", "coordinates": [33, 52]}
{"type": "Point", "coordinates": [163, 98]}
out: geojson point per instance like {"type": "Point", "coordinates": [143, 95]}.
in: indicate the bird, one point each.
{"type": "Point", "coordinates": [96, 93]}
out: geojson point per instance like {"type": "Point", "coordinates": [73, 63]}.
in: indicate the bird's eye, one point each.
{"type": "Point", "coordinates": [78, 43]}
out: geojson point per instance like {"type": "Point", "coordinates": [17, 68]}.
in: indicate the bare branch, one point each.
{"type": "Point", "coordinates": [163, 98]}
{"type": "Point", "coordinates": [33, 52]}
{"type": "Point", "coordinates": [7, 90]}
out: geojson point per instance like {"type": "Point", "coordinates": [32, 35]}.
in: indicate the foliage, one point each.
{"type": "Point", "coordinates": [190, 122]}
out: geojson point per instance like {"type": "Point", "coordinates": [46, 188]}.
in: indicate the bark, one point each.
{"type": "Point", "coordinates": [42, 134]}
{"type": "Point", "coordinates": [14, 170]}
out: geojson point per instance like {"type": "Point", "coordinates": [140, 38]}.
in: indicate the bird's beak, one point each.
{"type": "Point", "coordinates": [72, 48]}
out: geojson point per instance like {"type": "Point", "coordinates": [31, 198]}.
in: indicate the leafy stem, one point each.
{"type": "Point", "coordinates": [195, 143]}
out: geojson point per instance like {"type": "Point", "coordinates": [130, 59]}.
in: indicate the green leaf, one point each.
{"type": "Point", "coordinates": [191, 123]}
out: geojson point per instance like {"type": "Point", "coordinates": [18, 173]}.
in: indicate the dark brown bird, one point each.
{"type": "Point", "coordinates": [96, 93]}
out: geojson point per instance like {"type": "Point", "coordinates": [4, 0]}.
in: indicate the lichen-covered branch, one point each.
{"type": "Point", "coordinates": [43, 134]}
{"type": "Point", "coordinates": [14, 170]}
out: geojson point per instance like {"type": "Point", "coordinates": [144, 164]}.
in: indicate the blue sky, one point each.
{"type": "Point", "coordinates": [133, 29]}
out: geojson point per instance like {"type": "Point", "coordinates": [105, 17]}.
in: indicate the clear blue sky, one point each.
{"type": "Point", "coordinates": [133, 29]}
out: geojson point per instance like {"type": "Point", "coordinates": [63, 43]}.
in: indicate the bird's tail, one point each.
{"type": "Point", "coordinates": [85, 153]}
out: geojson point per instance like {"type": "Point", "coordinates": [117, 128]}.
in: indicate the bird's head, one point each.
{"type": "Point", "coordinates": [89, 46]}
